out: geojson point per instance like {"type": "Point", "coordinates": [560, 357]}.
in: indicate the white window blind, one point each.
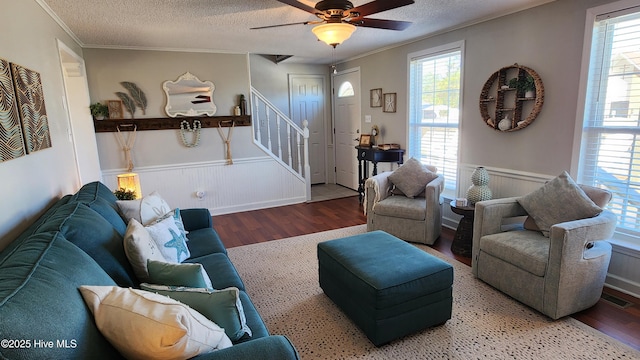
{"type": "Point", "coordinates": [610, 152]}
{"type": "Point", "coordinates": [434, 110]}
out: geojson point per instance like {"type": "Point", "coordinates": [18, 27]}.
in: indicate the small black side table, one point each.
{"type": "Point", "coordinates": [375, 155]}
{"type": "Point", "coordinates": [463, 239]}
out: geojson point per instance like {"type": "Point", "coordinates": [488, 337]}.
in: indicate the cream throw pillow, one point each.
{"type": "Point", "coordinates": [145, 210]}
{"type": "Point", "coordinates": [559, 200]}
{"type": "Point", "coordinates": [144, 325]}
{"type": "Point", "coordinates": [140, 247]}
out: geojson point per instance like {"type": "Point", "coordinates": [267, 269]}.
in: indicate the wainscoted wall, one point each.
{"type": "Point", "coordinates": [624, 270]}
{"type": "Point", "coordinates": [248, 184]}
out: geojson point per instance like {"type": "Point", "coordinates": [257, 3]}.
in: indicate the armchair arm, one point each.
{"type": "Point", "coordinates": [433, 190]}
{"type": "Point", "coordinates": [575, 272]}
{"type": "Point", "coordinates": [569, 239]}
{"type": "Point", "coordinates": [376, 188]}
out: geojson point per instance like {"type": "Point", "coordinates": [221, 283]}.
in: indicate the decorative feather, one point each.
{"type": "Point", "coordinates": [129, 104]}
{"type": "Point", "coordinates": [137, 94]}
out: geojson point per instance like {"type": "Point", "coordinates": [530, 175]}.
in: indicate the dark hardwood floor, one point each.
{"type": "Point", "coordinates": [622, 323]}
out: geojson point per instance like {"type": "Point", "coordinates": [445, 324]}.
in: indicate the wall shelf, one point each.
{"type": "Point", "coordinates": [496, 102]}
{"type": "Point", "coordinates": [111, 125]}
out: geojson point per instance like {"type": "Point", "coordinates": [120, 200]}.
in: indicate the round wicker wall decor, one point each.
{"type": "Point", "coordinates": [500, 102]}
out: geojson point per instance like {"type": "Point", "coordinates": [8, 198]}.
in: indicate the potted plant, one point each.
{"type": "Point", "coordinates": [526, 85]}
{"type": "Point", "coordinates": [99, 111]}
{"type": "Point", "coordinates": [124, 194]}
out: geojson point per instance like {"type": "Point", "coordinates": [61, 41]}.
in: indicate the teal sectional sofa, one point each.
{"type": "Point", "coordinates": [78, 241]}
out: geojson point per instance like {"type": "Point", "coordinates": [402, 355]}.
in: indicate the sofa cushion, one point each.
{"type": "Point", "coordinates": [254, 320]}
{"type": "Point", "coordinates": [402, 207]}
{"type": "Point", "coordinates": [204, 241]}
{"type": "Point", "coordinates": [99, 198]}
{"type": "Point", "coordinates": [36, 224]}
{"type": "Point", "coordinates": [528, 250]}
{"type": "Point", "coordinates": [139, 247]}
{"type": "Point", "coordinates": [187, 274]}
{"type": "Point", "coordinates": [412, 177]}
{"type": "Point", "coordinates": [144, 325]}
{"type": "Point", "coordinates": [559, 200]}
{"type": "Point", "coordinates": [223, 307]}
{"type": "Point", "coordinates": [220, 269]}
{"type": "Point", "coordinates": [39, 299]}
{"type": "Point", "coordinates": [96, 236]}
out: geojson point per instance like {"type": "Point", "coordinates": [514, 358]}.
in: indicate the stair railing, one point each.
{"type": "Point", "coordinates": [281, 138]}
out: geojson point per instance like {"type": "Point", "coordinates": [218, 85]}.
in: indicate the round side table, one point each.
{"type": "Point", "coordinates": [463, 239]}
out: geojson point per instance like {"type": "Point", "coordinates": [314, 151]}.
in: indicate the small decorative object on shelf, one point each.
{"type": "Point", "coordinates": [375, 133]}
{"type": "Point", "coordinates": [389, 146]}
{"type": "Point", "coordinates": [99, 110]}
{"type": "Point", "coordinates": [137, 95]}
{"type": "Point", "coordinates": [197, 127]}
{"type": "Point", "coordinates": [480, 190]}
{"type": "Point", "coordinates": [243, 105]}
{"type": "Point", "coordinates": [505, 124]}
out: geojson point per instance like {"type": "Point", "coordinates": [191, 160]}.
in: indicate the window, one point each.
{"type": "Point", "coordinates": [434, 109]}
{"type": "Point", "coordinates": [345, 90]}
{"type": "Point", "coordinates": [610, 146]}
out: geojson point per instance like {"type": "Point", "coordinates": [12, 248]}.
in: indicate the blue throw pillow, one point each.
{"type": "Point", "coordinates": [223, 307]}
{"type": "Point", "coordinates": [186, 274]}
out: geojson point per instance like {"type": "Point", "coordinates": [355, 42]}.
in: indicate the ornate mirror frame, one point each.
{"type": "Point", "coordinates": [188, 96]}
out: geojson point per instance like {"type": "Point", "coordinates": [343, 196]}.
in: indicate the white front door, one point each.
{"type": "Point", "coordinates": [346, 100]}
{"type": "Point", "coordinates": [308, 103]}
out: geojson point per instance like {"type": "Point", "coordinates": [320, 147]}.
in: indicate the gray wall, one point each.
{"type": "Point", "coordinates": [106, 68]}
{"type": "Point", "coordinates": [30, 183]}
{"type": "Point", "coordinates": [547, 38]}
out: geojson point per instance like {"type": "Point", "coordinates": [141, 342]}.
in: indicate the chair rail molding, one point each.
{"type": "Point", "coordinates": [248, 184]}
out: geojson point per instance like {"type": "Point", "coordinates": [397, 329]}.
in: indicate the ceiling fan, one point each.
{"type": "Point", "coordinates": [338, 18]}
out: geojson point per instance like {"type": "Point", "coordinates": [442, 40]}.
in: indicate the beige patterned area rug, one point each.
{"type": "Point", "coordinates": [281, 277]}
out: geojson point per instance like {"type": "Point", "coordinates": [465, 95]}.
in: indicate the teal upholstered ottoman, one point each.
{"type": "Point", "coordinates": [387, 287]}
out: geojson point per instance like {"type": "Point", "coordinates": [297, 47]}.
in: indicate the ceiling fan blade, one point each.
{"type": "Point", "coordinates": [299, 5]}
{"type": "Point", "coordinates": [378, 6]}
{"type": "Point", "coordinates": [279, 25]}
{"type": "Point", "coordinates": [381, 24]}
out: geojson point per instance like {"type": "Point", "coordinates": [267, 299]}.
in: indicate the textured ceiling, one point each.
{"type": "Point", "coordinates": [224, 25]}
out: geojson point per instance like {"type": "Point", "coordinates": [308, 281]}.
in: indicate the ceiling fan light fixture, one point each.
{"type": "Point", "coordinates": [334, 33]}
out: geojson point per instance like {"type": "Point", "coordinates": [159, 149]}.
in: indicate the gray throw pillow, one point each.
{"type": "Point", "coordinates": [559, 200]}
{"type": "Point", "coordinates": [412, 177]}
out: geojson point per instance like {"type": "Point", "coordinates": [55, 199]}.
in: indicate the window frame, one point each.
{"type": "Point", "coordinates": [622, 237]}
{"type": "Point", "coordinates": [449, 190]}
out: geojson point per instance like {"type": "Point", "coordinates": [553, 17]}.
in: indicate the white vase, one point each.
{"type": "Point", "coordinates": [505, 124]}
{"type": "Point", "coordinates": [480, 190]}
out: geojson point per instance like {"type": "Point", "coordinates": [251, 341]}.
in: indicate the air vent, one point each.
{"type": "Point", "coordinates": [619, 302]}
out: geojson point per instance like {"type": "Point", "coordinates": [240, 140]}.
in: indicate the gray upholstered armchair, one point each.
{"type": "Point", "coordinates": [417, 219]}
{"type": "Point", "coordinates": [557, 275]}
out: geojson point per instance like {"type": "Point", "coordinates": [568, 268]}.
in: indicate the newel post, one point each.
{"type": "Point", "coordinates": [307, 167]}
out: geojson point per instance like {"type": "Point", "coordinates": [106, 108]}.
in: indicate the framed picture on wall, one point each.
{"type": "Point", "coordinates": [115, 109]}
{"type": "Point", "coordinates": [375, 98]}
{"type": "Point", "coordinates": [389, 102]}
